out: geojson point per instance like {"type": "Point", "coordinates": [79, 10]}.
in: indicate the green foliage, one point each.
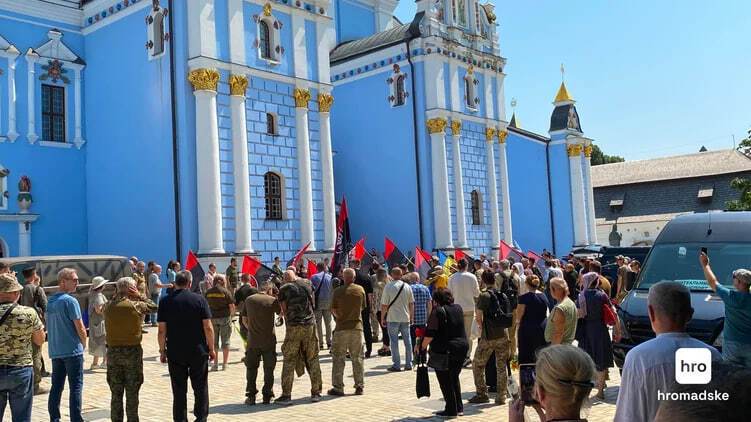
{"type": "Point", "coordinates": [743, 203]}
{"type": "Point", "coordinates": [599, 158]}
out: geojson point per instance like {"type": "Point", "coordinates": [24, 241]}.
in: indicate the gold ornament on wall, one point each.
{"type": "Point", "coordinates": [489, 133]}
{"type": "Point", "coordinates": [436, 125]}
{"type": "Point", "coordinates": [502, 134]}
{"type": "Point", "coordinates": [302, 96]}
{"type": "Point", "coordinates": [204, 79]}
{"type": "Point", "coordinates": [325, 101]}
{"type": "Point", "coordinates": [267, 9]}
{"type": "Point", "coordinates": [588, 151]}
{"type": "Point", "coordinates": [238, 84]}
{"type": "Point", "coordinates": [470, 70]}
{"type": "Point", "coordinates": [456, 127]}
{"type": "Point", "coordinates": [574, 150]}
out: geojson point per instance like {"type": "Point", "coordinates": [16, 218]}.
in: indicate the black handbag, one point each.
{"type": "Point", "coordinates": [422, 383]}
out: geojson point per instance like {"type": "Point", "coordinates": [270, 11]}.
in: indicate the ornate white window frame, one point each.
{"type": "Point", "coordinates": [11, 53]}
{"type": "Point", "coordinates": [275, 40]}
{"type": "Point", "coordinates": [396, 80]}
{"type": "Point", "coordinates": [4, 200]}
{"type": "Point", "coordinates": [156, 31]}
{"type": "Point", "coordinates": [471, 99]}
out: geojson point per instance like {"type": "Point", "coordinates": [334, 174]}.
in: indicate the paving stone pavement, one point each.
{"type": "Point", "coordinates": [388, 396]}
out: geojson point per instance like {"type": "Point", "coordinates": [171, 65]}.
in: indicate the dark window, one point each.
{"type": "Point", "coordinates": [272, 184]}
{"type": "Point", "coordinates": [270, 124]}
{"type": "Point", "coordinates": [476, 207]}
{"type": "Point", "coordinates": [468, 93]}
{"type": "Point", "coordinates": [401, 95]}
{"type": "Point", "coordinates": [158, 34]}
{"type": "Point", "coordinates": [53, 113]}
{"type": "Point", "coordinates": [265, 40]}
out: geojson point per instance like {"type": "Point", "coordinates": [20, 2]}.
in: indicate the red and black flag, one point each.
{"type": "Point", "coordinates": [422, 263]}
{"type": "Point", "coordinates": [295, 259]}
{"type": "Point", "coordinates": [192, 265]}
{"type": "Point", "coordinates": [505, 250]}
{"type": "Point", "coordinates": [393, 255]}
{"type": "Point", "coordinates": [343, 240]}
{"type": "Point", "coordinates": [256, 269]}
{"type": "Point", "coordinates": [312, 269]}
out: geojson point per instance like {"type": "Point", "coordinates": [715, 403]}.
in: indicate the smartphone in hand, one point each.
{"type": "Point", "coordinates": [704, 250]}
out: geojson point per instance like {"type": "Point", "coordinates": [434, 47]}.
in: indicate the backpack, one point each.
{"type": "Point", "coordinates": [500, 312]}
{"type": "Point", "coordinates": [509, 289]}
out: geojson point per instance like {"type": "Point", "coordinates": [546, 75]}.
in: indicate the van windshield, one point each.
{"type": "Point", "coordinates": [680, 262]}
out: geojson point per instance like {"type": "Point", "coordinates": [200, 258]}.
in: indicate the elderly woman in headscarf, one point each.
{"type": "Point", "coordinates": [97, 333]}
{"type": "Point", "coordinates": [518, 269]}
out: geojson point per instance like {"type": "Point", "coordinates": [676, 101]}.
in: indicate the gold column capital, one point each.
{"type": "Point", "coordinates": [456, 127]}
{"type": "Point", "coordinates": [302, 96]}
{"type": "Point", "coordinates": [204, 79]}
{"type": "Point", "coordinates": [238, 84]}
{"type": "Point", "coordinates": [325, 101]}
{"type": "Point", "coordinates": [574, 150]}
{"type": "Point", "coordinates": [436, 125]}
{"type": "Point", "coordinates": [588, 151]}
{"type": "Point", "coordinates": [490, 133]}
{"type": "Point", "coordinates": [502, 134]}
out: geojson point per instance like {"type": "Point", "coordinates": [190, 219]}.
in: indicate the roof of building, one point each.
{"type": "Point", "coordinates": [514, 122]}
{"type": "Point", "coordinates": [671, 168]}
{"type": "Point", "coordinates": [565, 116]}
{"type": "Point", "coordinates": [352, 49]}
{"type": "Point", "coordinates": [563, 94]}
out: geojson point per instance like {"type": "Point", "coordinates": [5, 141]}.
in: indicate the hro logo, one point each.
{"type": "Point", "coordinates": [693, 366]}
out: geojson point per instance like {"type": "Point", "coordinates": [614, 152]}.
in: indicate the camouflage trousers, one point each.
{"type": "Point", "coordinates": [300, 348]}
{"type": "Point", "coordinates": [36, 355]}
{"type": "Point", "coordinates": [485, 348]}
{"type": "Point", "coordinates": [347, 341]}
{"type": "Point", "coordinates": [124, 375]}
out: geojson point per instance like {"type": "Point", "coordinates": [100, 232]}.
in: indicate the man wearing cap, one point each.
{"type": "Point", "coordinates": [736, 333]}
{"type": "Point", "coordinates": [122, 319]}
{"type": "Point", "coordinates": [20, 327]}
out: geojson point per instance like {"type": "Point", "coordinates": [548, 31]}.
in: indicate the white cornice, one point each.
{"type": "Point", "coordinates": [21, 218]}
{"type": "Point", "coordinates": [113, 18]}
{"type": "Point", "coordinates": [44, 10]}
{"type": "Point", "coordinates": [207, 62]}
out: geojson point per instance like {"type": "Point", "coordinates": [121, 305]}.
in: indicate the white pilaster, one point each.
{"type": "Point", "coordinates": [325, 101]}
{"type": "Point", "coordinates": [302, 96]}
{"type": "Point", "coordinates": [495, 234]}
{"type": "Point", "coordinates": [298, 46]}
{"type": "Point", "coordinates": [24, 238]}
{"type": "Point", "coordinates": [435, 93]}
{"type": "Point", "coordinates": [587, 166]}
{"type": "Point", "coordinates": [461, 220]}
{"type": "Point", "coordinates": [236, 32]}
{"type": "Point", "coordinates": [78, 139]}
{"type": "Point", "coordinates": [456, 96]}
{"type": "Point", "coordinates": [488, 94]}
{"type": "Point", "coordinates": [508, 236]}
{"type": "Point", "coordinates": [12, 53]}
{"type": "Point", "coordinates": [202, 34]}
{"type": "Point", "coordinates": [441, 205]}
{"type": "Point", "coordinates": [31, 59]}
{"type": "Point", "coordinates": [208, 198]}
{"type": "Point", "coordinates": [243, 241]}
{"type": "Point", "coordinates": [501, 96]}
{"type": "Point", "coordinates": [326, 42]}
{"type": "Point", "coordinates": [577, 194]}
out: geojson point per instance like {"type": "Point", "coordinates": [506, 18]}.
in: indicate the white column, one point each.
{"type": "Point", "coordinates": [492, 188]}
{"type": "Point", "coordinates": [12, 55]}
{"type": "Point", "coordinates": [577, 194]}
{"type": "Point", "coordinates": [461, 220]}
{"type": "Point", "coordinates": [236, 31]}
{"type": "Point", "coordinates": [208, 196]}
{"type": "Point", "coordinates": [586, 165]}
{"type": "Point", "coordinates": [24, 238]}
{"type": "Point", "coordinates": [455, 88]}
{"type": "Point", "coordinates": [78, 139]}
{"type": "Point", "coordinates": [508, 236]}
{"type": "Point", "coordinates": [326, 42]}
{"type": "Point", "coordinates": [327, 172]}
{"type": "Point", "coordinates": [31, 59]}
{"type": "Point", "coordinates": [501, 97]}
{"type": "Point", "coordinates": [298, 46]}
{"type": "Point", "coordinates": [243, 243]}
{"type": "Point", "coordinates": [302, 97]}
{"type": "Point", "coordinates": [488, 94]}
{"type": "Point", "coordinates": [441, 205]}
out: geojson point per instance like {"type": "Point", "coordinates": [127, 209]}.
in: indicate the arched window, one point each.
{"type": "Point", "coordinates": [271, 128]}
{"type": "Point", "coordinates": [468, 93]}
{"type": "Point", "coordinates": [272, 185]}
{"type": "Point", "coordinates": [158, 34]}
{"type": "Point", "coordinates": [476, 207]}
{"type": "Point", "coordinates": [400, 92]}
{"type": "Point", "coordinates": [264, 39]}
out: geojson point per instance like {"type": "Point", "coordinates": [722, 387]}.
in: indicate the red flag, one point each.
{"type": "Point", "coordinates": [459, 254]}
{"type": "Point", "coordinates": [422, 262]}
{"type": "Point", "coordinates": [506, 250]}
{"type": "Point", "coordinates": [312, 269]}
{"type": "Point", "coordinates": [192, 265]}
{"type": "Point", "coordinates": [393, 255]}
{"type": "Point", "coordinates": [359, 249]}
{"type": "Point", "coordinates": [293, 262]}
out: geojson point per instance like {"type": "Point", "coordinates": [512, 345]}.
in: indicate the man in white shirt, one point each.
{"type": "Point", "coordinates": [650, 366]}
{"type": "Point", "coordinates": [397, 313]}
{"type": "Point", "coordinates": [463, 285]}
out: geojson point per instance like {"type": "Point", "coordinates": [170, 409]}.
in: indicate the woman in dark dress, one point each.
{"type": "Point", "coordinates": [445, 335]}
{"type": "Point", "coordinates": [595, 335]}
{"type": "Point", "coordinates": [531, 311]}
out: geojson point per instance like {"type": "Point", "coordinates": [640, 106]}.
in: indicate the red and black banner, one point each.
{"type": "Point", "coordinates": [295, 259]}
{"type": "Point", "coordinates": [256, 269]}
{"type": "Point", "coordinates": [422, 263]}
{"type": "Point", "coordinates": [393, 255]}
{"type": "Point", "coordinates": [192, 265]}
{"type": "Point", "coordinates": [343, 240]}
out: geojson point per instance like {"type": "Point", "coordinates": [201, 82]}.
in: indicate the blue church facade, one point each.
{"type": "Point", "coordinates": [148, 128]}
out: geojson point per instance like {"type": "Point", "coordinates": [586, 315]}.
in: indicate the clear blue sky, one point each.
{"type": "Point", "coordinates": [651, 78]}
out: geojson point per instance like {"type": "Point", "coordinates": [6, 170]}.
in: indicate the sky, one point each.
{"type": "Point", "coordinates": [650, 78]}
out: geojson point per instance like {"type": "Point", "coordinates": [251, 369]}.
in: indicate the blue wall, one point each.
{"type": "Point", "coordinates": [353, 20]}
{"type": "Point", "coordinates": [562, 211]}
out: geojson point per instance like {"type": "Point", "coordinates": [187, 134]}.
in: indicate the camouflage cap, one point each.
{"type": "Point", "coordinates": [9, 284]}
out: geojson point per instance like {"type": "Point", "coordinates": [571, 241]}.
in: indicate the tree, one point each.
{"type": "Point", "coordinates": [743, 203]}
{"type": "Point", "coordinates": [599, 158]}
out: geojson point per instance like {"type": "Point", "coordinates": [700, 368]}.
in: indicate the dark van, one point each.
{"type": "Point", "coordinates": [675, 256]}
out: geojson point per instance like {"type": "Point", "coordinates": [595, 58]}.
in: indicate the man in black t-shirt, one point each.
{"type": "Point", "coordinates": [243, 292]}
{"type": "Point", "coordinates": [362, 279]}
{"type": "Point", "coordinates": [186, 343]}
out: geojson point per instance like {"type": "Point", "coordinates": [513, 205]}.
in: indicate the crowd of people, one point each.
{"type": "Point", "coordinates": [555, 322]}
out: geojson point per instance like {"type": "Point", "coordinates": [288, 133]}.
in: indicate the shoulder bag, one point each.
{"type": "Point", "coordinates": [394, 299]}
{"type": "Point", "coordinates": [7, 313]}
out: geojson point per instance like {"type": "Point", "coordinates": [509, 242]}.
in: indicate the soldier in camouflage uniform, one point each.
{"type": "Point", "coordinates": [140, 277]}
{"type": "Point", "coordinates": [123, 317]}
{"type": "Point", "coordinates": [300, 347]}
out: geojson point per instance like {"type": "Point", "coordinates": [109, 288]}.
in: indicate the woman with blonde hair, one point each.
{"type": "Point", "coordinates": [563, 382]}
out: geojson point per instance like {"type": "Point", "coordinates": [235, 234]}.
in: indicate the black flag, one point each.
{"type": "Point", "coordinates": [343, 240]}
